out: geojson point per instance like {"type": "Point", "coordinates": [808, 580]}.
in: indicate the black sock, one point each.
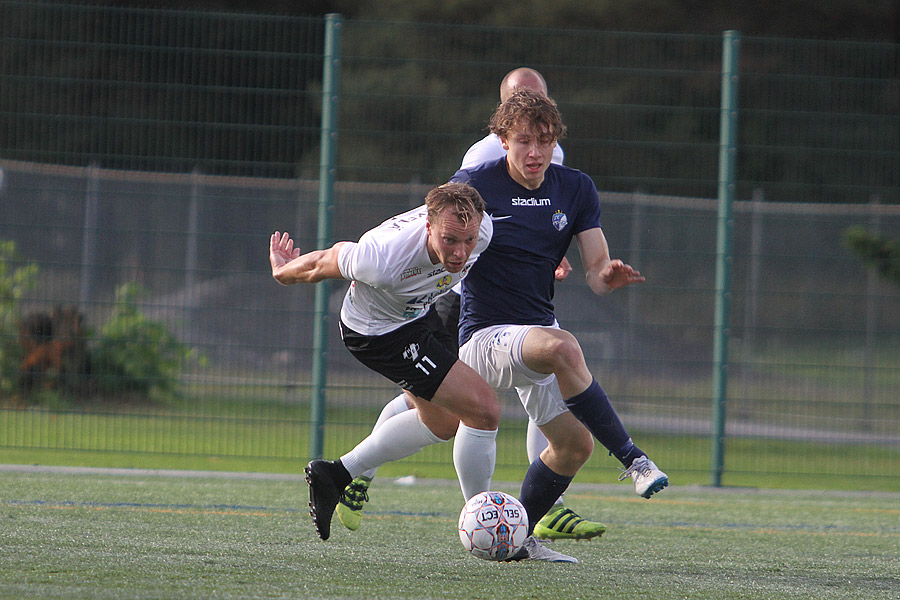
{"type": "Point", "coordinates": [592, 407]}
{"type": "Point", "coordinates": [340, 473]}
{"type": "Point", "coordinates": [540, 489]}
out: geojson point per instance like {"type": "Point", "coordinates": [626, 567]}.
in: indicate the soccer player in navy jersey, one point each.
{"type": "Point", "coordinates": [508, 329]}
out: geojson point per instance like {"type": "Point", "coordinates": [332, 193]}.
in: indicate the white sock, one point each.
{"type": "Point", "coordinates": [474, 456]}
{"type": "Point", "coordinates": [535, 442]}
{"type": "Point", "coordinates": [398, 437]}
{"type": "Point", "coordinates": [392, 408]}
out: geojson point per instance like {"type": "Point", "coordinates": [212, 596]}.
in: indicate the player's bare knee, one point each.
{"type": "Point", "coordinates": [490, 414]}
{"type": "Point", "coordinates": [485, 413]}
{"type": "Point", "coordinates": [569, 355]}
{"type": "Point", "coordinates": [563, 352]}
{"type": "Point", "coordinates": [488, 405]}
{"type": "Point", "coordinates": [582, 450]}
{"type": "Point", "coordinates": [576, 448]}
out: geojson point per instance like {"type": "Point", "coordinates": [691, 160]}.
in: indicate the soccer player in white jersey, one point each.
{"type": "Point", "coordinates": [397, 270]}
{"type": "Point", "coordinates": [560, 522]}
{"type": "Point", "coordinates": [490, 147]}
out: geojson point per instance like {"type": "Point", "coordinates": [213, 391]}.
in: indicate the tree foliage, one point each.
{"type": "Point", "coordinates": [869, 20]}
{"type": "Point", "coordinates": [876, 251]}
{"type": "Point", "coordinates": [135, 355]}
{"type": "Point", "coordinates": [839, 19]}
{"type": "Point", "coordinates": [16, 279]}
{"type": "Point", "coordinates": [223, 93]}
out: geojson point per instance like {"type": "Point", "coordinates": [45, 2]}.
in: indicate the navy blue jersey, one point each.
{"type": "Point", "coordinates": [511, 283]}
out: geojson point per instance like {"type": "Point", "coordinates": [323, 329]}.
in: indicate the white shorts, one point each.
{"type": "Point", "coordinates": [496, 354]}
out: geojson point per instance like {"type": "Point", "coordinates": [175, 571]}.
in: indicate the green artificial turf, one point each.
{"type": "Point", "coordinates": [95, 534]}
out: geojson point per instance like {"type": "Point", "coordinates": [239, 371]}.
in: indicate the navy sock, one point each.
{"type": "Point", "coordinates": [540, 489]}
{"type": "Point", "coordinates": [592, 407]}
{"type": "Point", "coordinates": [627, 453]}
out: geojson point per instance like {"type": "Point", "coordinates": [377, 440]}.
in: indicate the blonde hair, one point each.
{"type": "Point", "coordinates": [460, 199]}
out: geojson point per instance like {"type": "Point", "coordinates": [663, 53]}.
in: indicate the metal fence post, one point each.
{"type": "Point", "coordinates": [192, 244]}
{"type": "Point", "coordinates": [327, 168]}
{"type": "Point", "coordinates": [724, 257]}
{"type": "Point", "coordinates": [89, 234]}
{"type": "Point", "coordinates": [869, 363]}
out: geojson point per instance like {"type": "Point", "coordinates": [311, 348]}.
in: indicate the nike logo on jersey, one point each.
{"type": "Point", "coordinates": [493, 218]}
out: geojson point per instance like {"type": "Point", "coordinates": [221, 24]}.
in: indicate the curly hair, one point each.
{"type": "Point", "coordinates": [528, 110]}
{"type": "Point", "coordinates": [460, 199]}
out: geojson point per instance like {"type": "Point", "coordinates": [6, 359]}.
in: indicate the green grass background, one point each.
{"type": "Point", "coordinates": [134, 534]}
{"type": "Point", "coordinates": [275, 439]}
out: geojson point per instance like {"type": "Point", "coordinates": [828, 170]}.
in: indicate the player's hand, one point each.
{"type": "Point", "coordinates": [281, 250]}
{"type": "Point", "coordinates": [617, 274]}
{"type": "Point", "coordinates": [563, 270]}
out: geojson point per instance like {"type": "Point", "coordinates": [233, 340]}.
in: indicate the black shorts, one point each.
{"type": "Point", "coordinates": [417, 356]}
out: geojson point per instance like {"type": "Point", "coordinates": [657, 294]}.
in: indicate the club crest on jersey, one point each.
{"type": "Point", "coordinates": [444, 282]}
{"type": "Point", "coordinates": [559, 220]}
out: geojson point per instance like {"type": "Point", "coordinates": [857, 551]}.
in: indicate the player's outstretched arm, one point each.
{"type": "Point", "coordinates": [603, 274]}
{"type": "Point", "coordinates": [289, 266]}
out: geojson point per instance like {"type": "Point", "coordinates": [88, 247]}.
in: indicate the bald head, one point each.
{"type": "Point", "coordinates": [522, 78]}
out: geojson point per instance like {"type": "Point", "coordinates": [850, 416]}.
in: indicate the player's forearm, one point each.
{"type": "Point", "coordinates": [311, 267]}
{"type": "Point", "coordinates": [597, 283]}
{"type": "Point", "coordinates": [299, 270]}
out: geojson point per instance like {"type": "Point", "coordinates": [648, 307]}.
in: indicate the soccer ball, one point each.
{"type": "Point", "coordinates": [493, 525]}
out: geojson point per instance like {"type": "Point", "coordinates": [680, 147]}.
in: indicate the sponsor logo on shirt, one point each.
{"type": "Point", "coordinates": [437, 271]}
{"type": "Point", "coordinates": [416, 305]}
{"type": "Point", "coordinates": [444, 281]}
{"type": "Point", "coordinates": [531, 201]}
{"type": "Point", "coordinates": [410, 272]}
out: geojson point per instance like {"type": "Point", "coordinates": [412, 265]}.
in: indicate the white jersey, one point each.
{"type": "Point", "coordinates": [393, 280]}
{"type": "Point", "coordinates": [491, 148]}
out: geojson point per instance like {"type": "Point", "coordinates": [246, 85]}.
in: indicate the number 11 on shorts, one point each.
{"type": "Point", "coordinates": [420, 365]}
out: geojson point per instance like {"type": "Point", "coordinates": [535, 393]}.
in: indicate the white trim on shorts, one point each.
{"type": "Point", "coordinates": [495, 353]}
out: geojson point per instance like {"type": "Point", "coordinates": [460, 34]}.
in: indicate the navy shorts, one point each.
{"type": "Point", "coordinates": [417, 356]}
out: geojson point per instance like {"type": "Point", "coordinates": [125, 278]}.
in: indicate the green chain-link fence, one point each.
{"type": "Point", "coordinates": [162, 148]}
